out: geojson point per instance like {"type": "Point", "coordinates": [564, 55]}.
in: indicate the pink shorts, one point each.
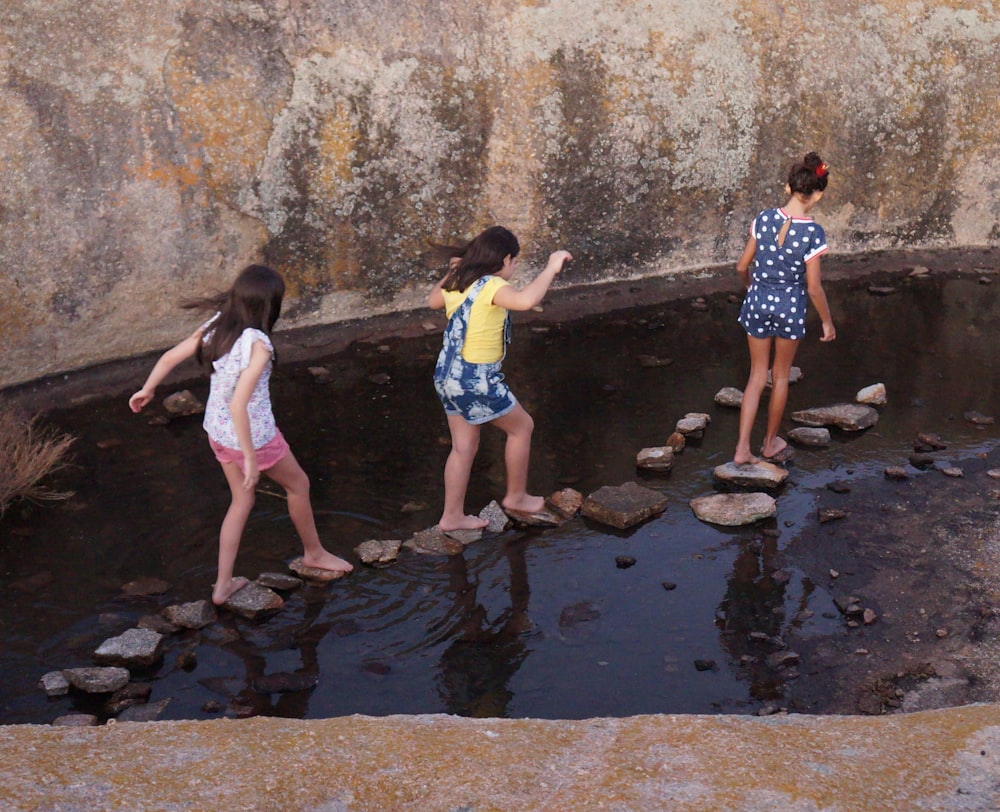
{"type": "Point", "coordinates": [268, 455]}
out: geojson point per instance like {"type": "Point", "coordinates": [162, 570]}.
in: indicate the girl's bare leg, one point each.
{"type": "Point", "coordinates": [231, 534]}
{"type": "Point", "coordinates": [458, 468]}
{"type": "Point", "coordinates": [289, 475]}
{"type": "Point", "coordinates": [760, 357]}
{"type": "Point", "coordinates": [519, 426]}
{"type": "Point", "coordinates": [784, 355]}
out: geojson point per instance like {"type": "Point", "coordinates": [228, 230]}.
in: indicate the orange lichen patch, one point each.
{"type": "Point", "coordinates": [444, 762]}
{"type": "Point", "coordinates": [338, 138]}
{"type": "Point", "coordinates": [169, 174]}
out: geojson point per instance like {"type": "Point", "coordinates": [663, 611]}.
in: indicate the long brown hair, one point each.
{"type": "Point", "coordinates": [482, 255]}
{"type": "Point", "coordinates": [254, 300]}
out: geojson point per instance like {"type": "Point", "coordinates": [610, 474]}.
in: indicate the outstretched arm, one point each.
{"type": "Point", "coordinates": [531, 294]}
{"type": "Point", "coordinates": [817, 296]}
{"type": "Point", "coordinates": [163, 367]}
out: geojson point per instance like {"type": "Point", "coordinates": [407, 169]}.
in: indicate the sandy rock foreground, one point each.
{"type": "Point", "coordinates": [936, 760]}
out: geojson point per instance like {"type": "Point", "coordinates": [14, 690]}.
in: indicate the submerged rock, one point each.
{"type": "Point", "coordinates": [874, 395]}
{"type": "Point", "coordinates": [757, 475]}
{"type": "Point", "coordinates": [928, 441]}
{"type": "Point", "coordinates": [54, 684]}
{"type": "Point", "coordinates": [144, 713]}
{"type": "Point", "coordinates": [146, 586]}
{"type": "Point", "coordinates": [979, 419]}
{"type": "Point", "coordinates": [378, 552]}
{"type": "Point", "coordinates": [182, 404]}
{"type": "Point", "coordinates": [816, 436]}
{"type": "Point", "coordinates": [284, 683]}
{"type": "Point", "coordinates": [624, 505]}
{"type": "Point", "coordinates": [845, 416]}
{"type": "Point", "coordinates": [734, 509]}
{"type": "Point", "coordinates": [660, 458]}
{"type": "Point", "coordinates": [133, 648]}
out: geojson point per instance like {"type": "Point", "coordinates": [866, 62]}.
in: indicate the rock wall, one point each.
{"type": "Point", "coordinates": [150, 148]}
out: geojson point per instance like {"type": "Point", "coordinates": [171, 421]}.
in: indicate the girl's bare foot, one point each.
{"type": "Point", "coordinates": [774, 448]}
{"type": "Point", "coordinates": [525, 504]}
{"type": "Point", "coordinates": [745, 458]}
{"type": "Point", "coordinates": [223, 592]}
{"type": "Point", "coordinates": [462, 523]}
{"type": "Point", "coordinates": [327, 561]}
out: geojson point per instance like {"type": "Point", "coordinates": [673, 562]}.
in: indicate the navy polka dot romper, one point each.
{"type": "Point", "coordinates": [775, 304]}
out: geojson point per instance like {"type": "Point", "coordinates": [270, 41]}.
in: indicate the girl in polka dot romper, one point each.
{"type": "Point", "coordinates": [784, 250]}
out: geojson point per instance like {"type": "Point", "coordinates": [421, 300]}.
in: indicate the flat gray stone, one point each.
{"type": "Point", "coordinates": [693, 423]}
{"type": "Point", "coordinates": [546, 517]}
{"type": "Point", "coordinates": [97, 680]}
{"type": "Point", "coordinates": [279, 580]}
{"type": "Point", "coordinates": [465, 536]}
{"type": "Point", "coordinates": [729, 396]}
{"type": "Point", "coordinates": [54, 684]}
{"type": "Point", "coordinates": [254, 602]}
{"type": "Point", "coordinates": [874, 395]}
{"type": "Point", "coordinates": [304, 571]}
{"type": "Point", "coordinates": [433, 542]}
{"type": "Point", "coordinates": [659, 458]}
{"type": "Point", "coordinates": [794, 376]}
{"type": "Point", "coordinates": [816, 436]}
{"type": "Point", "coordinates": [76, 720]}
{"type": "Point", "coordinates": [759, 475]}
{"type": "Point", "coordinates": [193, 615]}
{"type": "Point", "coordinates": [378, 552]}
{"type": "Point", "coordinates": [734, 509]}
{"type": "Point", "coordinates": [498, 520]}
{"type": "Point", "coordinates": [844, 416]}
{"type": "Point", "coordinates": [133, 648]}
{"type": "Point", "coordinates": [624, 505]}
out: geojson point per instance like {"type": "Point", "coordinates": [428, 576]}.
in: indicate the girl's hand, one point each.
{"type": "Point", "coordinates": [829, 331]}
{"type": "Point", "coordinates": [140, 400]}
{"type": "Point", "coordinates": [557, 258]}
{"type": "Point", "coordinates": [251, 476]}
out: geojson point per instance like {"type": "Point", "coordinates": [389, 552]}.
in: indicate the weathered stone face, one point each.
{"type": "Point", "coordinates": [150, 149]}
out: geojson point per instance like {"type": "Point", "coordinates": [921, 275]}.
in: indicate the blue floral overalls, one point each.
{"type": "Point", "coordinates": [476, 392]}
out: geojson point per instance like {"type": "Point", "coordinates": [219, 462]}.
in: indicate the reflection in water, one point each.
{"type": "Point", "coordinates": [476, 668]}
{"type": "Point", "coordinates": [441, 634]}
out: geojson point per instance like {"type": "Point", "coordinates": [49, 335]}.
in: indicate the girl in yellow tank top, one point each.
{"type": "Point", "coordinates": [476, 296]}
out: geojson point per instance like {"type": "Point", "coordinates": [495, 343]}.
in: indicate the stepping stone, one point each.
{"type": "Point", "coordinates": [133, 648]}
{"type": "Point", "coordinates": [759, 475]}
{"type": "Point", "coordinates": [794, 376]}
{"type": "Point", "coordinates": [54, 684]}
{"type": "Point", "coordinates": [729, 396]}
{"type": "Point", "coordinates": [873, 395]}
{"type": "Point", "coordinates": [979, 419]}
{"type": "Point", "coordinates": [378, 552]}
{"type": "Point", "coordinates": [97, 680]}
{"type": "Point", "coordinates": [279, 580]}
{"type": "Point", "coordinates": [498, 520]}
{"type": "Point", "coordinates": [465, 536]}
{"type": "Point", "coordinates": [308, 573]}
{"type": "Point", "coordinates": [543, 518]}
{"type": "Point", "coordinates": [433, 542]}
{"type": "Point", "coordinates": [693, 424]}
{"type": "Point", "coordinates": [566, 502]}
{"type": "Point", "coordinates": [623, 506]}
{"type": "Point", "coordinates": [254, 602]}
{"type": "Point", "coordinates": [734, 509]}
{"type": "Point", "coordinates": [194, 615]}
{"type": "Point", "coordinates": [845, 416]}
{"type": "Point", "coordinates": [660, 458]}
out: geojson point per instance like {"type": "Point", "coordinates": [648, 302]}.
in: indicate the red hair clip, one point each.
{"type": "Point", "coordinates": [822, 170]}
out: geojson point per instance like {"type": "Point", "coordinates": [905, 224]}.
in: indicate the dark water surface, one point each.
{"type": "Point", "coordinates": [530, 624]}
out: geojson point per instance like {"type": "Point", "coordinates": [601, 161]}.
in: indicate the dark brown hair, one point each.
{"type": "Point", "coordinates": [482, 255]}
{"type": "Point", "coordinates": [809, 175]}
{"type": "Point", "coordinates": [254, 300]}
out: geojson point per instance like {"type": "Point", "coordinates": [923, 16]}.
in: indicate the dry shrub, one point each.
{"type": "Point", "coordinates": [28, 454]}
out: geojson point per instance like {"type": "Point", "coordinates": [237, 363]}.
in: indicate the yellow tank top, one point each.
{"type": "Point", "coordinates": [484, 333]}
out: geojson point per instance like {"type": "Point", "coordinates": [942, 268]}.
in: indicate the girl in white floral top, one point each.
{"type": "Point", "coordinates": [236, 343]}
